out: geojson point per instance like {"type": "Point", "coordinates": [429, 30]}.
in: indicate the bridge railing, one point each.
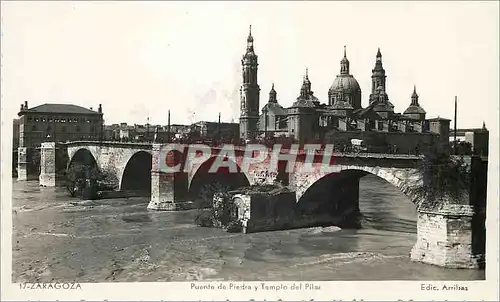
{"type": "Point", "coordinates": [283, 150]}
{"type": "Point", "coordinates": [106, 142]}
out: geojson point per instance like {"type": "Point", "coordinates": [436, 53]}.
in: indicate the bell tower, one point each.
{"type": "Point", "coordinates": [249, 92]}
{"type": "Point", "coordinates": [378, 77]}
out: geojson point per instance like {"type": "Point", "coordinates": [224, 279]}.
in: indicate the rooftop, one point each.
{"type": "Point", "coordinates": [61, 108]}
{"type": "Point", "coordinates": [438, 119]}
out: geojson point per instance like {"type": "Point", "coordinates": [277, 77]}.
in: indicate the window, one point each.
{"type": "Point", "coordinates": [44, 120]}
{"type": "Point", "coordinates": [51, 119]}
{"type": "Point", "coordinates": [37, 119]}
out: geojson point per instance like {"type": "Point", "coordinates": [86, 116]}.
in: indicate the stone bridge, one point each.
{"type": "Point", "coordinates": [444, 233]}
{"type": "Point", "coordinates": [130, 163]}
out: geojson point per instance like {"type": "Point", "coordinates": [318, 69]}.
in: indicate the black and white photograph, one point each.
{"type": "Point", "coordinates": [253, 149]}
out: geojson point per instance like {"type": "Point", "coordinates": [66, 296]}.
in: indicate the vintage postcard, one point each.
{"type": "Point", "coordinates": [219, 151]}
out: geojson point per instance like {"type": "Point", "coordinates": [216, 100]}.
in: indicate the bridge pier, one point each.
{"type": "Point", "coordinates": [169, 191]}
{"type": "Point", "coordinates": [47, 176]}
{"type": "Point", "coordinates": [444, 237]}
{"type": "Point", "coordinates": [22, 164]}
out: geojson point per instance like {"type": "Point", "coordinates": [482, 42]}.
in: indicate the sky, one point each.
{"type": "Point", "coordinates": [141, 59]}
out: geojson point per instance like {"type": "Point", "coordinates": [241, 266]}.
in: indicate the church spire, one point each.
{"type": "Point", "coordinates": [414, 97]}
{"type": "Point", "coordinates": [250, 40]}
{"type": "Point", "coordinates": [305, 91]}
{"type": "Point", "coordinates": [272, 95]}
{"type": "Point", "coordinates": [378, 76]}
{"type": "Point", "coordinates": [344, 64]}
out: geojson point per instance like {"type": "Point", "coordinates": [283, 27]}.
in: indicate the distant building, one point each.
{"type": "Point", "coordinates": [15, 144]}
{"type": "Point", "coordinates": [15, 134]}
{"type": "Point", "coordinates": [58, 123]}
{"type": "Point", "coordinates": [479, 139]}
{"type": "Point", "coordinates": [137, 132]}
{"type": "Point", "coordinates": [342, 116]}
{"type": "Point", "coordinates": [216, 131]}
{"type": "Point", "coordinates": [52, 123]}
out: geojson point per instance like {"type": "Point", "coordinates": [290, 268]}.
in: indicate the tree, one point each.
{"type": "Point", "coordinates": [75, 178]}
{"type": "Point", "coordinates": [86, 180]}
{"type": "Point", "coordinates": [222, 210]}
{"type": "Point", "coordinates": [443, 176]}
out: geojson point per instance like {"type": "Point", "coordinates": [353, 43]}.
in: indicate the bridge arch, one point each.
{"type": "Point", "coordinates": [337, 193]}
{"type": "Point", "coordinates": [403, 179]}
{"type": "Point", "coordinates": [82, 156]}
{"type": "Point", "coordinates": [136, 175]}
{"type": "Point", "coordinates": [202, 184]}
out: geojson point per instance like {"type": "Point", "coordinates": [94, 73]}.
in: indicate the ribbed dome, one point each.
{"type": "Point", "coordinates": [346, 83]}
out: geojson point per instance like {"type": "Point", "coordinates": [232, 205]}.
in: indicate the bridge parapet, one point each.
{"type": "Point", "coordinates": [109, 144]}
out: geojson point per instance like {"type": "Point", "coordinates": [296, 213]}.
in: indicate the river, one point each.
{"type": "Point", "coordinates": [57, 238]}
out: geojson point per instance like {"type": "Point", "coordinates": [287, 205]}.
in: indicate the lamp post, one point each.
{"type": "Point", "coordinates": [147, 130]}
{"type": "Point", "coordinates": [168, 127]}
{"type": "Point", "coordinates": [455, 129]}
{"type": "Point", "coordinates": [218, 129]}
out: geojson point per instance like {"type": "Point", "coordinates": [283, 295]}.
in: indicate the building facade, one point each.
{"type": "Point", "coordinates": [58, 123]}
{"type": "Point", "coordinates": [53, 123]}
{"type": "Point", "coordinates": [342, 116]}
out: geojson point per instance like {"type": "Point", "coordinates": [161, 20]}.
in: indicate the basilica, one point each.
{"type": "Point", "coordinates": [342, 116]}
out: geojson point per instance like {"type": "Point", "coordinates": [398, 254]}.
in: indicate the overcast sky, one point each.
{"type": "Point", "coordinates": [141, 59]}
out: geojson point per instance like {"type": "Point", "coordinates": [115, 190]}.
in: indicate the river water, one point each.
{"type": "Point", "coordinates": [57, 238]}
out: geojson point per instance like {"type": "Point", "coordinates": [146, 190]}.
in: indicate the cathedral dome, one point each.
{"type": "Point", "coordinates": [346, 84]}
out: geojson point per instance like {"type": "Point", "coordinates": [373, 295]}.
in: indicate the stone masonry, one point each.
{"type": "Point", "coordinates": [47, 176]}
{"type": "Point", "coordinates": [444, 235]}
{"type": "Point", "coordinates": [22, 168]}
{"type": "Point", "coordinates": [110, 157]}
